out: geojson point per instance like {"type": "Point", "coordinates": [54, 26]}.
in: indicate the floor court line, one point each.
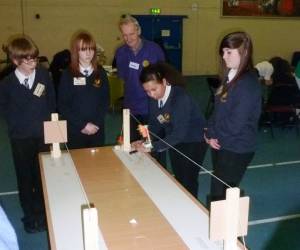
{"type": "Point", "coordinates": [265, 165]}
{"type": "Point", "coordinates": [9, 193]}
{"type": "Point", "coordinates": [251, 223]}
{"type": "Point", "coordinates": [203, 173]}
{"type": "Point", "coordinates": [275, 219]}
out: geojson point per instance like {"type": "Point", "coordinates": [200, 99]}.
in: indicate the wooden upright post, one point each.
{"type": "Point", "coordinates": [90, 229]}
{"type": "Point", "coordinates": [232, 218]}
{"type": "Point", "coordinates": [229, 218]}
{"type": "Point", "coordinates": [55, 152]}
{"type": "Point", "coordinates": [126, 130]}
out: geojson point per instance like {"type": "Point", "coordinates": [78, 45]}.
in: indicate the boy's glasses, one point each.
{"type": "Point", "coordinates": [30, 60]}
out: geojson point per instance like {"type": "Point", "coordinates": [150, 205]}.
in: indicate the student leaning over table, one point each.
{"type": "Point", "coordinates": [176, 118]}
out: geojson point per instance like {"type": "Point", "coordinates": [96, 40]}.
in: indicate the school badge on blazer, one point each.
{"type": "Point", "coordinates": [97, 83]}
{"type": "Point", "coordinates": [224, 95]}
{"type": "Point", "coordinates": [146, 63]}
{"type": "Point", "coordinates": [165, 118]}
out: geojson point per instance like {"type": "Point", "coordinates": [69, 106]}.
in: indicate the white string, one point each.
{"type": "Point", "coordinates": [182, 154]}
{"type": "Point", "coordinates": [203, 168]}
{"type": "Point", "coordinates": [77, 175]}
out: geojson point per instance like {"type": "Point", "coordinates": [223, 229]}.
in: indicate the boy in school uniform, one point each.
{"type": "Point", "coordinates": [26, 100]}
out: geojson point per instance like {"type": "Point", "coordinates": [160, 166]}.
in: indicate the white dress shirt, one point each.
{"type": "Point", "coordinates": [86, 71]}
{"type": "Point", "coordinates": [165, 97]}
{"type": "Point", "coordinates": [21, 77]}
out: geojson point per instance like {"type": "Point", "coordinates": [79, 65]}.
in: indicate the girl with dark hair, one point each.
{"type": "Point", "coordinates": [83, 94]}
{"type": "Point", "coordinates": [232, 129]}
{"type": "Point", "coordinates": [174, 117]}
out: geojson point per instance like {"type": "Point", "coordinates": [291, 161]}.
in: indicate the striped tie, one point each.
{"type": "Point", "coordinates": [160, 104]}
{"type": "Point", "coordinates": [86, 72]}
{"type": "Point", "coordinates": [26, 83]}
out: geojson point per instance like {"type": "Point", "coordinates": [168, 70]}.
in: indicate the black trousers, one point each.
{"type": "Point", "coordinates": [230, 167]}
{"type": "Point", "coordinates": [25, 156]}
{"type": "Point", "coordinates": [134, 133]}
{"type": "Point", "coordinates": [79, 140]}
{"type": "Point", "coordinates": [186, 172]}
{"type": "Point", "coordinates": [161, 158]}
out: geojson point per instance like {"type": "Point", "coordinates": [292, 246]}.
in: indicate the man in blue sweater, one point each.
{"type": "Point", "coordinates": [131, 58]}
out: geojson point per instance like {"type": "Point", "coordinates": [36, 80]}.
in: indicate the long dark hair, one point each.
{"type": "Point", "coordinates": [88, 42]}
{"type": "Point", "coordinates": [242, 42]}
{"type": "Point", "coordinates": [160, 71]}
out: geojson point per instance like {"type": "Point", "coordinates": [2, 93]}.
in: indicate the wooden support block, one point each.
{"type": "Point", "coordinates": [90, 229]}
{"type": "Point", "coordinates": [55, 132]}
{"type": "Point", "coordinates": [229, 218]}
{"type": "Point", "coordinates": [55, 151]}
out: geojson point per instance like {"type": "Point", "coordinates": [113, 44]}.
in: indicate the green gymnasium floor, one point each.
{"type": "Point", "coordinates": [272, 182]}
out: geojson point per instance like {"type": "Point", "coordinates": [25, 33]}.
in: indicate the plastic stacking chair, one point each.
{"type": "Point", "coordinates": [280, 109]}
{"type": "Point", "coordinates": [283, 116]}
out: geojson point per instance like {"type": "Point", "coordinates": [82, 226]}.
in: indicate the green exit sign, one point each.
{"type": "Point", "coordinates": [155, 11]}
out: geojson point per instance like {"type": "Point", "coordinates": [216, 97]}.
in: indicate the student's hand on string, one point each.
{"type": "Point", "coordinates": [90, 129]}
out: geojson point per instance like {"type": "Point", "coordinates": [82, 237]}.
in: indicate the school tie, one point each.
{"type": "Point", "coordinates": [160, 104]}
{"type": "Point", "coordinates": [86, 72]}
{"type": "Point", "coordinates": [26, 83]}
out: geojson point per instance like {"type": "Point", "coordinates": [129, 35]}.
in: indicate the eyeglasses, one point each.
{"type": "Point", "coordinates": [29, 60]}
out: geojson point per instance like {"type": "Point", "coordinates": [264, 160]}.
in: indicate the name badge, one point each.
{"type": "Point", "coordinates": [134, 65]}
{"type": "Point", "coordinates": [79, 81]}
{"type": "Point", "coordinates": [39, 89]}
{"type": "Point", "coordinates": [161, 119]}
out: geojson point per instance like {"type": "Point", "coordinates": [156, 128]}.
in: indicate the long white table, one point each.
{"type": "Point", "coordinates": [140, 206]}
